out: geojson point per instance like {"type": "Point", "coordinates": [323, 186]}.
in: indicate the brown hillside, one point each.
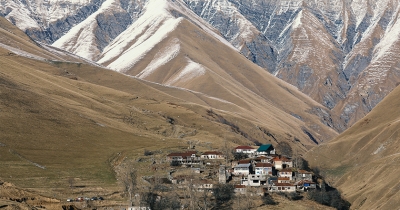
{"type": "Point", "coordinates": [229, 76]}
{"type": "Point", "coordinates": [17, 42]}
{"type": "Point", "coordinates": [62, 120]}
{"type": "Point", "coordinates": [363, 161]}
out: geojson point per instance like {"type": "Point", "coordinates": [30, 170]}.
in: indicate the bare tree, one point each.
{"type": "Point", "coordinates": [284, 148]}
{"type": "Point", "coordinates": [71, 181]}
{"type": "Point", "coordinates": [246, 200]}
{"type": "Point", "coordinates": [129, 181]}
{"type": "Point", "coordinates": [204, 200]}
{"type": "Point", "coordinates": [224, 195]}
{"type": "Point", "coordinates": [190, 190]}
{"type": "Point", "coordinates": [227, 151]}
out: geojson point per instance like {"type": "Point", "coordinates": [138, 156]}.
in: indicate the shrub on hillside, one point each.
{"type": "Point", "coordinates": [294, 196]}
{"type": "Point", "coordinates": [268, 200]}
{"type": "Point", "coordinates": [175, 163]}
{"type": "Point", "coordinates": [328, 196]}
{"type": "Point", "coordinates": [148, 153]}
{"type": "Point", "coordinates": [224, 195]}
{"type": "Point", "coordinates": [157, 202]}
{"type": "Point", "coordinates": [240, 155]}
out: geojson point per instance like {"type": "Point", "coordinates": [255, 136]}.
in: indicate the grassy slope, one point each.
{"type": "Point", "coordinates": [66, 119]}
{"type": "Point", "coordinates": [230, 76]}
{"type": "Point", "coordinates": [73, 127]}
{"type": "Point", "coordinates": [363, 161]}
{"type": "Point", "coordinates": [15, 38]}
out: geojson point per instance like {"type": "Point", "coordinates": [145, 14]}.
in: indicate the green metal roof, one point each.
{"type": "Point", "coordinates": [265, 147]}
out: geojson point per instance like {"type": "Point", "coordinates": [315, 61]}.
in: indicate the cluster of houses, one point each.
{"type": "Point", "coordinates": [270, 171]}
{"type": "Point", "coordinates": [262, 169]}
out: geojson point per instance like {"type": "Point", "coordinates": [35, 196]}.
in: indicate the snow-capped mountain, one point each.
{"type": "Point", "coordinates": [326, 49]}
{"type": "Point", "coordinates": [341, 53]}
{"type": "Point", "coordinates": [211, 80]}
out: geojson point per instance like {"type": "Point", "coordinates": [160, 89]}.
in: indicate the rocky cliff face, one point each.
{"type": "Point", "coordinates": [326, 49]}
{"type": "Point", "coordinates": [341, 53]}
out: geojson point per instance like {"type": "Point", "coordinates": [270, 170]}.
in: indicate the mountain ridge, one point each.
{"type": "Point", "coordinates": [72, 108]}
{"type": "Point", "coordinates": [361, 162]}
{"type": "Point", "coordinates": [360, 40]}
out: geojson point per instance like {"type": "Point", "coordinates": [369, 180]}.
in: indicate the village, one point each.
{"type": "Point", "coordinates": [260, 170]}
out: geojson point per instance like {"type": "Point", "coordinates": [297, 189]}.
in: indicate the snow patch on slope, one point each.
{"type": "Point", "coordinates": [161, 58]}
{"type": "Point", "coordinates": [241, 31]}
{"type": "Point", "coordinates": [139, 38]}
{"type": "Point", "coordinates": [153, 26]}
{"type": "Point", "coordinates": [22, 52]}
{"type": "Point", "coordinates": [181, 6]}
{"type": "Point", "coordinates": [148, 38]}
{"type": "Point", "coordinates": [80, 40]}
{"type": "Point", "coordinates": [20, 16]}
{"type": "Point", "coordinates": [287, 5]}
{"type": "Point", "coordinates": [359, 8]}
{"type": "Point", "coordinates": [380, 148]}
{"type": "Point", "coordinates": [297, 22]}
{"type": "Point", "coordinates": [191, 71]}
{"type": "Point", "coordinates": [391, 36]}
{"type": "Point", "coordinates": [60, 9]}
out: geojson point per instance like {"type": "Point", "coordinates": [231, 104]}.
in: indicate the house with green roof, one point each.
{"type": "Point", "coordinates": [266, 149]}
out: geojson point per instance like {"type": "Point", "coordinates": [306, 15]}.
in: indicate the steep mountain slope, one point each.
{"type": "Point", "coordinates": [170, 45]}
{"type": "Point", "coordinates": [62, 119]}
{"type": "Point", "coordinates": [329, 50]}
{"type": "Point", "coordinates": [373, 66]}
{"type": "Point", "coordinates": [19, 43]}
{"type": "Point", "coordinates": [363, 161]}
{"type": "Point", "coordinates": [237, 29]}
{"type": "Point", "coordinates": [47, 20]}
{"type": "Point", "coordinates": [196, 59]}
{"type": "Point", "coordinates": [326, 49]}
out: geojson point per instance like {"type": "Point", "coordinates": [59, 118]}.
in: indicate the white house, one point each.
{"type": "Point", "coordinates": [242, 169]}
{"type": "Point", "coordinates": [241, 189]}
{"type": "Point", "coordinates": [283, 180]}
{"type": "Point", "coordinates": [286, 172]}
{"type": "Point", "coordinates": [287, 162]}
{"type": "Point", "coordinates": [263, 159]}
{"type": "Point", "coordinates": [138, 208]}
{"type": "Point", "coordinates": [254, 180]}
{"type": "Point", "coordinates": [303, 175]}
{"type": "Point", "coordinates": [212, 155]}
{"type": "Point", "coordinates": [265, 149]}
{"type": "Point", "coordinates": [282, 162]}
{"type": "Point", "coordinates": [204, 185]}
{"type": "Point", "coordinates": [245, 149]}
{"type": "Point", "coordinates": [282, 187]}
{"type": "Point", "coordinates": [181, 156]}
{"type": "Point", "coordinates": [305, 185]}
{"type": "Point", "coordinates": [263, 168]}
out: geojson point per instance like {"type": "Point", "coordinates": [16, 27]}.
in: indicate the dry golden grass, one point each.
{"type": "Point", "coordinates": [15, 38]}
{"type": "Point", "coordinates": [64, 120]}
{"type": "Point", "coordinates": [363, 161]}
{"type": "Point", "coordinates": [285, 204]}
{"type": "Point", "coordinates": [250, 91]}
{"type": "Point", "coordinates": [73, 127]}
